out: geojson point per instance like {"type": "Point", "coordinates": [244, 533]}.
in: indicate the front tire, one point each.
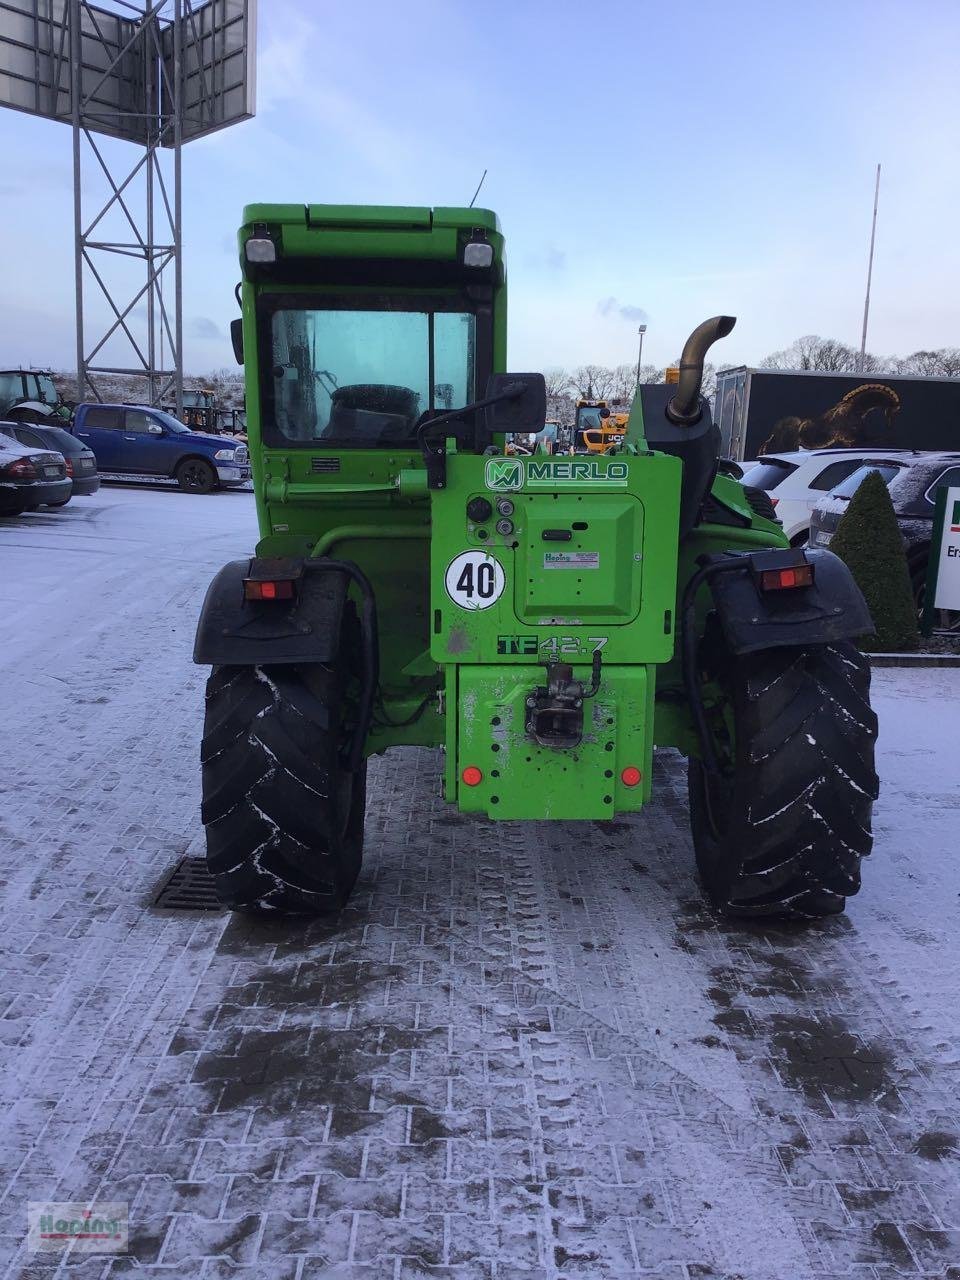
{"type": "Point", "coordinates": [195, 475]}
{"type": "Point", "coordinates": [283, 817]}
{"type": "Point", "coordinates": [782, 829]}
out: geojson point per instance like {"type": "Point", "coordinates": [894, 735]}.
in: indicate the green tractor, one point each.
{"type": "Point", "coordinates": [545, 620]}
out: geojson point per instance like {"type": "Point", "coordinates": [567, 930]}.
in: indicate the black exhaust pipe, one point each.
{"type": "Point", "coordinates": [684, 408]}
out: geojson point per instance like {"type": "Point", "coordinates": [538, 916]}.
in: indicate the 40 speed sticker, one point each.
{"type": "Point", "coordinates": [474, 580]}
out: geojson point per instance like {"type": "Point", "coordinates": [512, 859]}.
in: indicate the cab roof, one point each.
{"type": "Point", "coordinates": [380, 216]}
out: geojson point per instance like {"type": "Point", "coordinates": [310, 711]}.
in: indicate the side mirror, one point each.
{"type": "Point", "coordinates": [154, 429]}
{"type": "Point", "coordinates": [236, 337]}
{"type": "Point", "coordinates": [523, 411]}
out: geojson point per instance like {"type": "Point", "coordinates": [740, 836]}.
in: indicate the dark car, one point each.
{"type": "Point", "coordinates": [30, 478]}
{"type": "Point", "coordinates": [81, 463]}
{"type": "Point", "coordinates": [913, 483]}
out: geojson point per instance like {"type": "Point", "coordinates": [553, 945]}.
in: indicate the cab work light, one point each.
{"type": "Point", "coordinates": [260, 249]}
{"type": "Point", "coordinates": [478, 253]}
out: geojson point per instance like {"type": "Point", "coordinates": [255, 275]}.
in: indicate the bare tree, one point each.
{"type": "Point", "coordinates": [559, 399]}
{"type": "Point", "coordinates": [624, 383]}
{"type": "Point", "coordinates": [871, 364]}
{"type": "Point", "coordinates": [557, 381]}
{"type": "Point", "coordinates": [708, 388]}
{"type": "Point", "coordinates": [826, 354]}
{"type": "Point", "coordinates": [943, 363]}
{"type": "Point", "coordinates": [593, 381]}
{"type": "Point", "coordinates": [650, 373]}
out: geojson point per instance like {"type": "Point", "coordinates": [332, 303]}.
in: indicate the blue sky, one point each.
{"type": "Point", "coordinates": [670, 159]}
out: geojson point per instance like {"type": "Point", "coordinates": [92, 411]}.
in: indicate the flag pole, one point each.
{"type": "Point", "coordinates": [866, 301]}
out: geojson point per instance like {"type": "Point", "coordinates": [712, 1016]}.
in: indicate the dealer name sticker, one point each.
{"type": "Point", "coordinates": [474, 580]}
{"type": "Point", "coordinates": [571, 559]}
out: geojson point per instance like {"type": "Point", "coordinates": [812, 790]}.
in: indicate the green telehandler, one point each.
{"type": "Point", "coordinates": [546, 620]}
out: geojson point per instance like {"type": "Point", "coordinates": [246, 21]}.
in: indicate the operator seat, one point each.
{"type": "Point", "coordinates": [373, 413]}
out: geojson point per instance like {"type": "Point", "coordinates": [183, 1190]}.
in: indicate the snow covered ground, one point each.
{"type": "Point", "coordinates": [525, 1050]}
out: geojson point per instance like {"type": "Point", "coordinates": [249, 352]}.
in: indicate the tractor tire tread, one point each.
{"type": "Point", "coordinates": [277, 839]}
{"type": "Point", "coordinates": [800, 798]}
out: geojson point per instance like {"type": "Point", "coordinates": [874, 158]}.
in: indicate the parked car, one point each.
{"type": "Point", "coordinates": [795, 481]}
{"type": "Point", "coordinates": [30, 478]}
{"type": "Point", "coordinates": [137, 440]}
{"type": "Point", "coordinates": [913, 483]}
{"type": "Point", "coordinates": [81, 463]}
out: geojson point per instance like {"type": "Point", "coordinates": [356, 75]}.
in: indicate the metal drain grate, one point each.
{"type": "Point", "coordinates": [189, 887]}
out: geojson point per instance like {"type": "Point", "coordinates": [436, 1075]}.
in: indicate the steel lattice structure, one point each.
{"type": "Point", "coordinates": [154, 74]}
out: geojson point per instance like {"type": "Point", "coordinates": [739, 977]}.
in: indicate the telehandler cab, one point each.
{"type": "Point", "coordinates": [544, 619]}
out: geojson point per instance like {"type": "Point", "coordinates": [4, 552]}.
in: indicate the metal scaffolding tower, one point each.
{"type": "Point", "coordinates": [155, 74]}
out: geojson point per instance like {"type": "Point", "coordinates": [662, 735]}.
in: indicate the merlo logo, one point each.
{"type": "Point", "coordinates": [504, 473]}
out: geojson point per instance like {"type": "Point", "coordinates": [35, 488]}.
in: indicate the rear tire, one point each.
{"type": "Point", "coordinates": [194, 475]}
{"type": "Point", "coordinates": [284, 819]}
{"type": "Point", "coordinates": [782, 831]}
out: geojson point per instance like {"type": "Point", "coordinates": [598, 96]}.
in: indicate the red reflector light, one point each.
{"type": "Point", "coordinates": [472, 776]}
{"type": "Point", "coordinates": [787, 579]}
{"type": "Point", "coordinates": [631, 776]}
{"type": "Point", "coordinates": [255, 589]}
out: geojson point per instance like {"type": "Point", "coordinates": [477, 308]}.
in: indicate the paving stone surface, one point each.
{"type": "Point", "coordinates": [524, 1050]}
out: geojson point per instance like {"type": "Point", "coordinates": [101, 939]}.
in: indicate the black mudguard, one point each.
{"type": "Point", "coordinates": [832, 609]}
{"type": "Point", "coordinates": [233, 631]}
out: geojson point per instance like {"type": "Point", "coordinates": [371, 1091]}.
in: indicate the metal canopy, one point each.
{"type": "Point", "coordinates": [154, 73]}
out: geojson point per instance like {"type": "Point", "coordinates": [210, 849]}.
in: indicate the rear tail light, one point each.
{"type": "Point", "coordinates": [774, 501]}
{"type": "Point", "coordinates": [786, 579]}
{"type": "Point", "coordinates": [262, 589]}
{"type": "Point", "coordinates": [68, 463]}
{"type": "Point", "coordinates": [22, 467]}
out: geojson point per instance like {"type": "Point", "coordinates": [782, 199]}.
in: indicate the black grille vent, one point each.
{"type": "Point", "coordinates": [189, 887]}
{"type": "Point", "coordinates": [324, 466]}
{"type": "Point", "coordinates": [760, 501]}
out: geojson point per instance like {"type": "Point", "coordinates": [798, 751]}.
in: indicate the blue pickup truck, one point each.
{"type": "Point", "coordinates": [137, 440]}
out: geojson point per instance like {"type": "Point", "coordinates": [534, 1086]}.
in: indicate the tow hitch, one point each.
{"type": "Point", "coordinates": [555, 711]}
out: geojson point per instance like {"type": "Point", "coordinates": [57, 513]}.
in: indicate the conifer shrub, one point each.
{"type": "Point", "coordinates": [868, 540]}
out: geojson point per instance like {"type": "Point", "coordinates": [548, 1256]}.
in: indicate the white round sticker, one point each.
{"type": "Point", "coordinates": [474, 580]}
